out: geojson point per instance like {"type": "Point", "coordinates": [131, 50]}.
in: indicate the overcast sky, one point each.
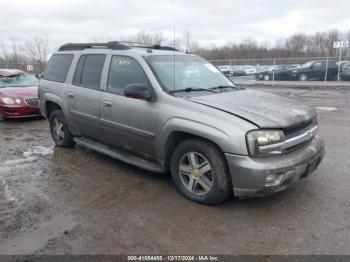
{"type": "Point", "coordinates": [208, 21]}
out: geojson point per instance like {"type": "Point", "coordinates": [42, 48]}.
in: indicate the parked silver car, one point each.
{"type": "Point", "coordinates": [167, 111]}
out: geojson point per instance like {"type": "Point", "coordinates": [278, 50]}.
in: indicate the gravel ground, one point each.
{"type": "Point", "coordinates": [75, 201]}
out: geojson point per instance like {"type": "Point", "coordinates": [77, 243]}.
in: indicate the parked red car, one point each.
{"type": "Point", "coordinates": [18, 94]}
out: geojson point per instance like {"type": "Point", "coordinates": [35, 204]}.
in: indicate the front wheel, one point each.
{"type": "Point", "coordinates": [267, 77]}
{"type": "Point", "coordinates": [59, 130]}
{"type": "Point", "coordinates": [303, 77]}
{"type": "Point", "coordinates": [199, 171]}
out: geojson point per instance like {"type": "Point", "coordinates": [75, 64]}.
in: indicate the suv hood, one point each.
{"type": "Point", "coordinates": [263, 109]}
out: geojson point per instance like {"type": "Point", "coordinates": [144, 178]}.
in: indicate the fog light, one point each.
{"type": "Point", "coordinates": [273, 179]}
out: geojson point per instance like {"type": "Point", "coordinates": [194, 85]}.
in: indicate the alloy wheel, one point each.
{"type": "Point", "coordinates": [303, 77]}
{"type": "Point", "coordinates": [57, 129]}
{"type": "Point", "coordinates": [195, 173]}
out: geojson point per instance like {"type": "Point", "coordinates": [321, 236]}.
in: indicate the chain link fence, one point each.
{"type": "Point", "coordinates": [303, 71]}
{"type": "Point", "coordinates": [36, 69]}
{"type": "Point", "coordinates": [329, 70]}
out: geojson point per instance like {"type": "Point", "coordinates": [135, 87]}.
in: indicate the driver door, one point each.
{"type": "Point", "coordinates": [128, 122]}
{"type": "Point", "coordinates": [317, 71]}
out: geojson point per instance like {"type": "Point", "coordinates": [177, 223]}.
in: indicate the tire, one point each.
{"type": "Point", "coordinates": [1, 118]}
{"type": "Point", "coordinates": [303, 77]}
{"type": "Point", "coordinates": [266, 77]}
{"type": "Point", "coordinates": [207, 183]}
{"type": "Point", "coordinates": [59, 130]}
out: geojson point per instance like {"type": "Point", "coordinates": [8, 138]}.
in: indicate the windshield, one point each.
{"type": "Point", "coordinates": [308, 64]}
{"type": "Point", "coordinates": [18, 80]}
{"type": "Point", "coordinates": [189, 71]}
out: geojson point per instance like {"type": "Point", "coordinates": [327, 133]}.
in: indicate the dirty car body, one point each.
{"type": "Point", "coordinates": [167, 111]}
{"type": "Point", "coordinates": [18, 94]}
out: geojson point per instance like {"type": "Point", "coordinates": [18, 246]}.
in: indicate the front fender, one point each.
{"type": "Point", "coordinates": [204, 130]}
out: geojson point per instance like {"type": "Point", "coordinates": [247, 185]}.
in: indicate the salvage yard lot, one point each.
{"type": "Point", "coordinates": [75, 201]}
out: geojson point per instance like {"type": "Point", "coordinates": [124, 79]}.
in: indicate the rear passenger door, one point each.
{"type": "Point", "coordinates": [127, 122]}
{"type": "Point", "coordinates": [332, 70]}
{"type": "Point", "coordinates": [84, 94]}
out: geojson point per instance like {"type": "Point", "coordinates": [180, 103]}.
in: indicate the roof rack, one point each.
{"type": "Point", "coordinates": [114, 45]}
{"type": "Point", "coordinates": [148, 46]}
{"type": "Point", "coordinates": [82, 46]}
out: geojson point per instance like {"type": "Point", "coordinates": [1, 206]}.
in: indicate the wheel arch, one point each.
{"type": "Point", "coordinates": [178, 130]}
{"type": "Point", "coordinates": [50, 107]}
{"type": "Point", "coordinates": [52, 102]}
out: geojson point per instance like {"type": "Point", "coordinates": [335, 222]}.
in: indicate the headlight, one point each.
{"type": "Point", "coordinates": [294, 71]}
{"type": "Point", "coordinates": [7, 101]}
{"type": "Point", "coordinates": [259, 138]}
{"type": "Point", "coordinates": [18, 101]}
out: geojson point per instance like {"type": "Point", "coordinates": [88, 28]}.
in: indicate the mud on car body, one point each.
{"type": "Point", "coordinates": [167, 111]}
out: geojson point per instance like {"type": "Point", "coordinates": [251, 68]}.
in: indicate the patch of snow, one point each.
{"type": "Point", "coordinates": [327, 108]}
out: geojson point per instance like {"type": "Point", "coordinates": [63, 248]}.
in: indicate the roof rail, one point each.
{"type": "Point", "coordinates": [143, 45]}
{"type": "Point", "coordinates": [82, 46]}
{"type": "Point", "coordinates": [115, 45]}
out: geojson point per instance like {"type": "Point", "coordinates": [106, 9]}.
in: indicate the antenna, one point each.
{"type": "Point", "coordinates": [174, 56]}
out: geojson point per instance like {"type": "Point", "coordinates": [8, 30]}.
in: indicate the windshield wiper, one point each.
{"type": "Point", "coordinates": [190, 89]}
{"type": "Point", "coordinates": [223, 87]}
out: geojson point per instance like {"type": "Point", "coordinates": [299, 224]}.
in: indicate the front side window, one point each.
{"type": "Point", "coordinates": [89, 71]}
{"type": "Point", "coordinates": [123, 71]}
{"type": "Point", "coordinates": [317, 64]}
{"type": "Point", "coordinates": [186, 71]}
{"type": "Point", "coordinates": [58, 67]}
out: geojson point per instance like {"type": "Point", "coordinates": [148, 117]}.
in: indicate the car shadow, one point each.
{"type": "Point", "coordinates": [21, 120]}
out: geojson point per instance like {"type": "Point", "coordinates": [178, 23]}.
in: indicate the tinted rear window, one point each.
{"type": "Point", "coordinates": [58, 67]}
{"type": "Point", "coordinates": [89, 71]}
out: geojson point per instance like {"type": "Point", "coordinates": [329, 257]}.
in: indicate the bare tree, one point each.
{"type": "Point", "coordinates": [15, 50]}
{"type": "Point", "coordinates": [148, 37]}
{"type": "Point", "coordinates": [4, 54]}
{"type": "Point", "coordinates": [187, 41]}
{"type": "Point", "coordinates": [331, 37]}
{"type": "Point", "coordinates": [37, 48]}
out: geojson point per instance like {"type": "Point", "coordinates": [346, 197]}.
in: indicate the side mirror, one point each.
{"type": "Point", "coordinates": [138, 91]}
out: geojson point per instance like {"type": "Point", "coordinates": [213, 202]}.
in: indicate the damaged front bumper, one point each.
{"type": "Point", "coordinates": [252, 177]}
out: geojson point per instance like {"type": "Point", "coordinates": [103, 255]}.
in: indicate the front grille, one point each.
{"type": "Point", "coordinates": [32, 101]}
{"type": "Point", "coordinates": [296, 138]}
{"type": "Point", "coordinates": [299, 129]}
{"type": "Point", "coordinates": [298, 146]}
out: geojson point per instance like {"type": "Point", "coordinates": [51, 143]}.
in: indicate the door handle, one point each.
{"type": "Point", "coordinates": [107, 103]}
{"type": "Point", "coordinates": [70, 94]}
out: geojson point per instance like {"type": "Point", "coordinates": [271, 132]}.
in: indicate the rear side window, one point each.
{"type": "Point", "coordinates": [331, 64]}
{"type": "Point", "coordinates": [89, 71]}
{"type": "Point", "coordinates": [58, 67]}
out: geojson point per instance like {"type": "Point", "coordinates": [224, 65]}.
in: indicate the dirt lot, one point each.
{"type": "Point", "coordinates": [62, 201]}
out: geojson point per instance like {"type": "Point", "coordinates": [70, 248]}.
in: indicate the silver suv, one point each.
{"type": "Point", "coordinates": [167, 111]}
